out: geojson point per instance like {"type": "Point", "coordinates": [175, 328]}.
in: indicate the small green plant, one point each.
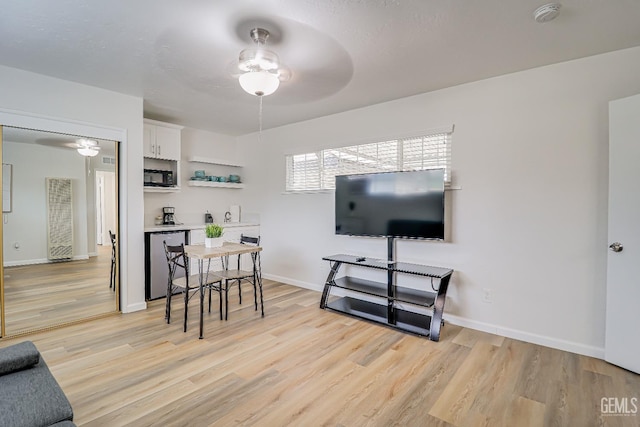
{"type": "Point", "coordinates": [213, 230]}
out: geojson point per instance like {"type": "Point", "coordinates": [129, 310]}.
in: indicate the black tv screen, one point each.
{"type": "Point", "coordinates": [391, 204]}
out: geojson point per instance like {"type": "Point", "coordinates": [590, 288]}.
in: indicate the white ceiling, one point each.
{"type": "Point", "coordinates": [343, 54]}
{"type": "Point", "coordinates": [53, 139]}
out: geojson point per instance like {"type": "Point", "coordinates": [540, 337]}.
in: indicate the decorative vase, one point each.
{"type": "Point", "coordinates": [212, 242]}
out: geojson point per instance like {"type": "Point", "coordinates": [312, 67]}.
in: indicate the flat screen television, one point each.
{"type": "Point", "coordinates": [391, 204]}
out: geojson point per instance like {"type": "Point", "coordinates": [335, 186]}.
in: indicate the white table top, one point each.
{"type": "Point", "coordinates": [228, 248]}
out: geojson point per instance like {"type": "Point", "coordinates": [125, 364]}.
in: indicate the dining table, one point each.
{"type": "Point", "coordinates": [201, 253]}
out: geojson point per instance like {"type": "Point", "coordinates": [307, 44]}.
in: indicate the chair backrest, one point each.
{"type": "Point", "coordinates": [250, 240]}
{"type": "Point", "coordinates": [176, 258]}
{"type": "Point", "coordinates": [112, 236]}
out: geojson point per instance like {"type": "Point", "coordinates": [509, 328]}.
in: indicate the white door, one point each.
{"type": "Point", "coordinates": [622, 345]}
{"type": "Point", "coordinates": [100, 234]}
{"type": "Point", "coordinates": [105, 206]}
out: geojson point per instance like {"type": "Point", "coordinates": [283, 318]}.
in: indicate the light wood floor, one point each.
{"type": "Point", "coordinates": [302, 366]}
{"type": "Point", "coordinates": [42, 295]}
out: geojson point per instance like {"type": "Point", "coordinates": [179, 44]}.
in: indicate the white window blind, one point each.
{"type": "Point", "coordinates": [317, 170]}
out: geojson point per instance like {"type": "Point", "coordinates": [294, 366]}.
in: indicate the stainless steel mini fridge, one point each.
{"type": "Point", "coordinates": [156, 268]}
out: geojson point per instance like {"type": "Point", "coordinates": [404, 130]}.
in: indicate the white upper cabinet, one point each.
{"type": "Point", "coordinates": [161, 140]}
{"type": "Point", "coordinates": [149, 149]}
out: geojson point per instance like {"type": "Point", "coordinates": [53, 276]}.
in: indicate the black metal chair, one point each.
{"type": "Point", "coordinates": [112, 277]}
{"type": "Point", "coordinates": [237, 276]}
{"type": "Point", "coordinates": [189, 284]}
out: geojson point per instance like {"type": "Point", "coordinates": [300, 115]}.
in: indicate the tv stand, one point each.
{"type": "Point", "coordinates": [389, 312]}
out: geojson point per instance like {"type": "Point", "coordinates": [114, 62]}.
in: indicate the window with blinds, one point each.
{"type": "Point", "coordinates": [317, 170]}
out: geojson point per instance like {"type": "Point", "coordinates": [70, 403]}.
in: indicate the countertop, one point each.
{"type": "Point", "coordinates": [161, 228]}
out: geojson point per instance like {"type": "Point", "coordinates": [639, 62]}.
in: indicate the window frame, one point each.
{"type": "Point", "coordinates": [317, 177]}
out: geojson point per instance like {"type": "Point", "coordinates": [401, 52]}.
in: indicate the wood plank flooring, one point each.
{"type": "Point", "coordinates": [302, 366]}
{"type": "Point", "coordinates": [42, 295]}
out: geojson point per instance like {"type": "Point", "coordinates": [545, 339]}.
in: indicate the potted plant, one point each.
{"type": "Point", "coordinates": [213, 233]}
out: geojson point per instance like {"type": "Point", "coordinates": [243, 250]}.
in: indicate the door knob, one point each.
{"type": "Point", "coordinates": [616, 247]}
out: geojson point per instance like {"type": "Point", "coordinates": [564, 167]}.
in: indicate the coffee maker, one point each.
{"type": "Point", "coordinates": [168, 215]}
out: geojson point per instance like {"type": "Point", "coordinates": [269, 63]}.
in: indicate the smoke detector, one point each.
{"type": "Point", "coordinates": [547, 12]}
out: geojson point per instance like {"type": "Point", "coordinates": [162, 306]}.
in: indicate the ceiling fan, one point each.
{"type": "Point", "coordinates": [258, 69]}
{"type": "Point", "coordinates": [87, 147]}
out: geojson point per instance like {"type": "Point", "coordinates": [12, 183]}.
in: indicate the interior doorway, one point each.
{"type": "Point", "coordinates": [42, 285]}
{"type": "Point", "coordinates": [623, 292]}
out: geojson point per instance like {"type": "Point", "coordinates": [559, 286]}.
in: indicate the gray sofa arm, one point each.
{"type": "Point", "coordinates": [29, 394]}
{"type": "Point", "coordinates": [17, 357]}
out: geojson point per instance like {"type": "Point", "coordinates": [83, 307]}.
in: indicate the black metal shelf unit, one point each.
{"type": "Point", "coordinates": [387, 311]}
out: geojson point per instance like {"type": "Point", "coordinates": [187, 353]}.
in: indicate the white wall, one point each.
{"type": "Point", "coordinates": [530, 153]}
{"type": "Point", "coordinates": [191, 203]}
{"type": "Point", "coordinates": [33, 98]}
{"type": "Point", "coordinates": [27, 222]}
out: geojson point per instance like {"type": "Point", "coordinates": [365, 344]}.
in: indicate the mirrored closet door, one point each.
{"type": "Point", "coordinates": [59, 229]}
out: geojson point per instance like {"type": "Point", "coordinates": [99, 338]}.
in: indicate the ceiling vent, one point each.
{"type": "Point", "coordinates": [547, 12]}
{"type": "Point", "coordinates": [108, 160]}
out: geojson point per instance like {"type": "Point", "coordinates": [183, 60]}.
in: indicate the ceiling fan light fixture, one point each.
{"type": "Point", "coordinates": [260, 68]}
{"type": "Point", "coordinates": [258, 59]}
{"type": "Point", "coordinates": [87, 147]}
{"type": "Point", "coordinates": [88, 152]}
{"type": "Point", "coordinates": [259, 83]}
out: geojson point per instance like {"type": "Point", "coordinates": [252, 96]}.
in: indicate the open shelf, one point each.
{"type": "Point", "coordinates": [394, 302]}
{"type": "Point", "coordinates": [400, 267]}
{"type": "Point", "coordinates": [213, 184]}
{"type": "Point", "coordinates": [407, 321]}
{"type": "Point", "coordinates": [214, 161]}
{"type": "Point", "coordinates": [161, 189]}
{"type": "Point", "coordinates": [378, 289]}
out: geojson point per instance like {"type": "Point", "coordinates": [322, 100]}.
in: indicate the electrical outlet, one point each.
{"type": "Point", "coordinates": [487, 295]}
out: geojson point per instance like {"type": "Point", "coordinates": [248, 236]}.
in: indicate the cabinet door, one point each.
{"type": "Point", "coordinates": [167, 143]}
{"type": "Point", "coordinates": [196, 237]}
{"type": "Point", "coordinates": [149, 147]}
{"type": "Point", "coordinates": [232, 234]}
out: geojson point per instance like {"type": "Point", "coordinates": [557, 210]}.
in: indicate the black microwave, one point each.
{"type": "Point", "coordinates": [158, 178]}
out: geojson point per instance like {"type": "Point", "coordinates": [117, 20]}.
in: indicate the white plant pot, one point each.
{"type": "Point", "coordinates": [212, 242]}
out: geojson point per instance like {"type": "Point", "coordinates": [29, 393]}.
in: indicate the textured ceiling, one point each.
{"type": "Point", "coordinates": [342, 54]}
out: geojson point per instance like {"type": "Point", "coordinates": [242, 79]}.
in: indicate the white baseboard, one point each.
{"type": "Point", "coordinates": [41, 261]}
{"type": "Point", "coordinates": [298, 283]}
{"type": "Point", "coordinates": [135, 307]}
{"type": "Point", "coordinates": [570, 346]}
{"type": "Point", "coordinates": [26, 262]}
{"type": "Point", "coordinates": [559, 344]}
